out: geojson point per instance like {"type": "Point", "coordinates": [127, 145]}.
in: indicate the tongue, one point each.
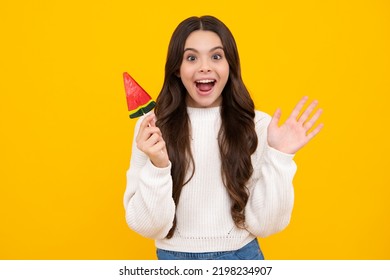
{"type": "Point", "coordinates": [205, 87]}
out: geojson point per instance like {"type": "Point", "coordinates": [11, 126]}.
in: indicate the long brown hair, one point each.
{"type": "Point", "coordinates": [237, 137]}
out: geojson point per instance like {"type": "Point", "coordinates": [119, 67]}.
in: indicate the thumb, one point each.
{"type": "Point", "coordinates": [275, 118]}
{"type": "Point", "coordinates": [152, 119]}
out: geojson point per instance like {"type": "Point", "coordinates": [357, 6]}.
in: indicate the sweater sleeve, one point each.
{"type": "Point", "coordinates": [271, 198]}
{"type": "Point", "coordinates": [148, 202]}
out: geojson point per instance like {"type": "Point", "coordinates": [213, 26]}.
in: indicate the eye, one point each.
{"type": "Point", "coordinates": [216, 56]}
{"type": "Point", "coordinates": [190, 58]}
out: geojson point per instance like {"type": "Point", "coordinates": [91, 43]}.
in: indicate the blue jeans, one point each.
{"type": "Point", "coordinates": [251, 251]}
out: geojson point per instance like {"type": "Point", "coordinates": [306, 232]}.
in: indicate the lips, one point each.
{"type": "Point", "coordinates": [205, 85]}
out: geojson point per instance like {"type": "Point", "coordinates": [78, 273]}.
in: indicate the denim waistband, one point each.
{"type": "Point", "coordinates": [250, 251]}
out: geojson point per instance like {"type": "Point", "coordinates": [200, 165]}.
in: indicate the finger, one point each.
{"type": "Point", "coordinates": [152, 122]}
{"type": "Point", "coordinates": [158, 147]}
{"type": "Point", "coordinates": [298, 107]}
{"type": "Point", "coordinates": [309, 124]}
{"type": "Point", "coordinates": [315, 131]}
{"type": "Point", "coordinates": [276, 118]}
{"type": "Point", "coordinates": [158, 150]}
{"type": "Point", "coordinates": [144, 124]}
{"type": "Point", "coordinates": [147, 121]}
{"type": "Point", "coordinates": [146, 133]}
{"type": "Point", "coordinates": [147, 145]}
{"type": "Point", "coordinates": [153, 139]}
{"type": "Point", "coordinates": [307, 112]}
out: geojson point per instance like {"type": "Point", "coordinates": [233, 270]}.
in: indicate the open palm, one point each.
{"type": "Point", "coordinates": [294, 133]}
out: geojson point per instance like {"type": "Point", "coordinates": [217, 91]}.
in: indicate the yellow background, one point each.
{"type": "Point", "coordinates": [66, 135]}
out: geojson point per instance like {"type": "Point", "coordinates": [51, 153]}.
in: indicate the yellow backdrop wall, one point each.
{"type": "Point", "coordinates": [66, 135]}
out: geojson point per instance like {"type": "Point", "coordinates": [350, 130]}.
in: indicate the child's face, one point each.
{"type": "Point", "coordinates": [204, 70]}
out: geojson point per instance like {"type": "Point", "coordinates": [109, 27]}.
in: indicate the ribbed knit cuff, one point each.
{"type": "Point", "coordinates": [274, 154]}
{"type": "Point", "coordinates": [155, 176]}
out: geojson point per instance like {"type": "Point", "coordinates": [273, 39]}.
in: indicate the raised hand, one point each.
{"type": "Point", "coordinates": [293, 134]}
{"type": "Point", "coordinates": [150, 141]}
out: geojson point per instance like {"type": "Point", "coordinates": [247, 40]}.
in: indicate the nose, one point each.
{"type": "Point", "coordinates": [205, 67]}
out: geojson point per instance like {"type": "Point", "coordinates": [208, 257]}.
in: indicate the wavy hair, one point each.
{"type": "Point", "coordinates": [237, 138]}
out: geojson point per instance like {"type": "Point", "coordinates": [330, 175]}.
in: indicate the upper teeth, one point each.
{"type": "Point", "coordinates": [205, 81]}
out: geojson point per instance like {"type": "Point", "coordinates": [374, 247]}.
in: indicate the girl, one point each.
{"type": "Point", "coordinates": [208, 172]}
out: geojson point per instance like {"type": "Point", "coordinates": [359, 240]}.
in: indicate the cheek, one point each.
{"type": "Point", "coordinates": [182, 71]}
{"type": "Point", "coordinates": [224, 69]}
{"type": "Point", "coordinates": [186, 75]}
{"type": "Point", "coordinates": [224, 73]}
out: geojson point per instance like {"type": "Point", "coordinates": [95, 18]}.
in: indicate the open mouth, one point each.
{"type": "Point", "coordinates": [205, 85]}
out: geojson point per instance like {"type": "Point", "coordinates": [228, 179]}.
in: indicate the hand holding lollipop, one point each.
{"type": "Point", "coordinates": [149, 139]}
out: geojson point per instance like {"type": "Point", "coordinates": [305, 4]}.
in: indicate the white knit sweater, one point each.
{"type": "Point", "coordinates": [204, 222]}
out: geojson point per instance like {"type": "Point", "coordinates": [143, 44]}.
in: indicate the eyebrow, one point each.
{"type": "Point", "coordinates": [211, 50]}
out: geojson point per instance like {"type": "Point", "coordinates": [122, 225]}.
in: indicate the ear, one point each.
{"type": "Point", "coordinates": [177, 74]}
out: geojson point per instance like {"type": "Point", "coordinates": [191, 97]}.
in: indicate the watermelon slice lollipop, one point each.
{"type": "Point", "coordinates": [139, 101]}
